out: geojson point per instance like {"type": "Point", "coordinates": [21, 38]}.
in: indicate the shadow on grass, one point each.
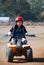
{"type": "Point", "coordinates": [22, 60]}
{"type": "Point", "coordinates": [38, 59]}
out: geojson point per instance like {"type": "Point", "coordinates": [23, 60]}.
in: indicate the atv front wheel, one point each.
{"type": "Point", "coordinates": [9, 55]}
{"type": "Point", "coordinates": [29, 55]}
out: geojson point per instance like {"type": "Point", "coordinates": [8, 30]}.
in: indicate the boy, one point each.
{"type": "Point", "coordinates": [18, 30]}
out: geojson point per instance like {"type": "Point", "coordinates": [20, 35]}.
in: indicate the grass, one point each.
{"type": "Point", "coordinates": [40, 35]}
{"type": "Point", "coordinates": [4, 39]}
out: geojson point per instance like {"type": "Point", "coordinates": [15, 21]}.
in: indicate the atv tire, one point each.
{"type": "Point", "coordinates": [29, 55]}
{"type": "Point", "coordinates": [9, 54]}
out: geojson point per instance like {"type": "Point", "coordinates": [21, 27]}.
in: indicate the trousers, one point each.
{"type": "Point", "coordinates": [23, 40]}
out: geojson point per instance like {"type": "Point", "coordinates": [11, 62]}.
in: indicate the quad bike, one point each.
{"type": "Point", "coordinates": [18, 49]}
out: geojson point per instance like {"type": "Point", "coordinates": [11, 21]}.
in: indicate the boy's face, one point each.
{"type": "Point", "coordinates": [19, 23]}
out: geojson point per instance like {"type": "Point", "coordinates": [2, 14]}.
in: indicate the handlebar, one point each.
{"type": "Point", "coordinates": [29, 35]}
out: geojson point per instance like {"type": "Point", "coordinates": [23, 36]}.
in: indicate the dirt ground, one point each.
{"type": "Point", "coordinates": [37, 44]}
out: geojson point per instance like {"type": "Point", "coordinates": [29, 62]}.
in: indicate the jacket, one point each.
{"type": "Point", "coordinates": [18, 31]}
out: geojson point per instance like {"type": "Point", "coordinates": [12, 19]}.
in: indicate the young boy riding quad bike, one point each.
{"type": "Point", "coordinates": [18, 30]}
{"type": "Point", "coordinates": [17, 45]}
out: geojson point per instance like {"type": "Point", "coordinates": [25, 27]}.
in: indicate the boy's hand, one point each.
{"type": "Point", "coordinates": [27, 34]}
{"type": "Point", "coordinates": [9, 34]}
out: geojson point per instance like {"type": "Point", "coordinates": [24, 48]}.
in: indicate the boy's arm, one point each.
{"type": "Point", "coordinates": [10, 32]}
{"type": "Point", "coordinates": [25, 30]}
{"type": "Point", "coordinates": [11, 29]}
{"type": "Point", "coordinates": [26, 33]}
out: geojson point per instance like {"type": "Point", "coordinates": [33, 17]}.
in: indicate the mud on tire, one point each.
{"type": "Point", "coordinates": [29, 55]}
{"type": "Point", "coordinates": [9, 55]}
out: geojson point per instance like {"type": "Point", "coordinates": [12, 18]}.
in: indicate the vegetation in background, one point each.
{"type": "Point", "coordinates": [29, 9]}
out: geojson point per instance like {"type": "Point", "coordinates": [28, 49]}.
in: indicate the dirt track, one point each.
{"type": "Point", "coordinates": [36, 43]}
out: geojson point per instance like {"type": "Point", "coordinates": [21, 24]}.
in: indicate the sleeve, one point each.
{"type": "Point", "coordinates": [25, 30]}
{"type": "Point", "coordinates": [11, 30]}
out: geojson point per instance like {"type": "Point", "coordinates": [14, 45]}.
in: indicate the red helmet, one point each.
{"type": "Point", "coordinates": [19, 18]}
